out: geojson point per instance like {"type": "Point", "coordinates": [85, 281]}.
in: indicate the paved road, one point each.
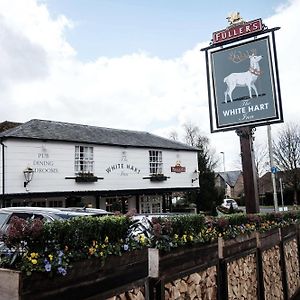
{"type": "Point", "coordinates": [263, 209]}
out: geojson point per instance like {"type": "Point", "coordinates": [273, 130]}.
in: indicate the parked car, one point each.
{"type": "Point", "coordinates": [87, 211]}
{"type": "Point", "coordinates": [143, 223]}
{"type": "Point", "coordinates": [43, 213]}
{"type": "Point", "coordinates": [47, 214]}
{"type": "Point", "coordinates": [227, 203]}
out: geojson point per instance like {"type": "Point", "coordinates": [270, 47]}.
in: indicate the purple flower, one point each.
{"type": "Point", "coordinates": [157, 229]}
{"type": "Point", "coordinates": [7, 252]}
{"type": "Point", "coordinates": [48, 267]}
{"type": "Point", "coordinates": [62, 271]}
{"type": "Point", "coordinates": [126, 247]}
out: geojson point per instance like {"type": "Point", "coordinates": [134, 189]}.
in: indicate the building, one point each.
{"type": "Point", "coordinates": [47, 163]}
{"type": "Point", "coordinates": [285, 183]}
{"type": "Point", "coordinates": [232, 182]}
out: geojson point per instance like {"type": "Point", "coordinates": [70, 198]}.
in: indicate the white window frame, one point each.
{"type": "Point", "coordinates": [84, 159]}
{"type": "Point", "coordinates": [150, 204]}
{"type": "Point", "coordinates": [155, 162]}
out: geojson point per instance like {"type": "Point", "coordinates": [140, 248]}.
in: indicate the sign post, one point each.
{"type": "Point", "coordinates": [243, 88]}
{"type": "Point", "coordinates": [249, 169]}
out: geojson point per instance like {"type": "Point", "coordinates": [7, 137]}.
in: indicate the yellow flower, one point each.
{"type": "Point", "coordinates": [91, 251]}
{"type": "Point", "coordinates": [101, 253]}
{"type": "Point", "coordinates": [34, 255]}
{"type": "Point", "coordinates": [106, 239]}
{"type": "Point", "coordinates": [176, 236]}
{"type": "Point", "coordinates": [191, 238]}
{"type": "Point", "coordinates": [184, 238]}
{"type": "Point", "coordinates": [50, 257]}
{"type": "Point", "coordinates": [34, 261]}
{"type": "Point", "coordinates": [142, 238]}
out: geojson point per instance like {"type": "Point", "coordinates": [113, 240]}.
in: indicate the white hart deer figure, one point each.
{"type": "Point", "coordinates": [244, 79]}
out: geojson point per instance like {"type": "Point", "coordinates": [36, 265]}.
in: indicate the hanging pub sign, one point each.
{"type": "Point", "coordinates": [178, 168]}
{"type": "Point", "coordinates": [242, 76]}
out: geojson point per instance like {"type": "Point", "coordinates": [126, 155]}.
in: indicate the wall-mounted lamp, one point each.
{"type": "Point", "coordinates": [196, 174]}
{"type": "Point", "coordinates": [28, 174]}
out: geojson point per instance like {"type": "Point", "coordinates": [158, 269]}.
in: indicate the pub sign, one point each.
{"type": "Point", "coordinates": [243, 83]}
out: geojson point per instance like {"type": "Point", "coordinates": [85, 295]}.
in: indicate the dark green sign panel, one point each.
{"type": "Point", "coordinates": [243, 85]}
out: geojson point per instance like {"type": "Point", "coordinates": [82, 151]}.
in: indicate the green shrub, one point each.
{"type": "Point", "coordinates": [52, 247]}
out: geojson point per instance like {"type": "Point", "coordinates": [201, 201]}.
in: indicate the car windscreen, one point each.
{"type": "Point", "coordinates": [3, 218]}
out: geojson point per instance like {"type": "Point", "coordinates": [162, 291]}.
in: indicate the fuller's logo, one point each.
{"type": "Point", "coordinates": [237, 27]}
{"type": "Point", "coordinates": [178, 168]}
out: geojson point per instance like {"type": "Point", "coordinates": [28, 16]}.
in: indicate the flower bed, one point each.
{"type": "Point", "coordinates": [52, 248]}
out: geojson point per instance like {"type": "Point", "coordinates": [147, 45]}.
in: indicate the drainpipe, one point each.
{"type": "Point", "coordinates": [3, 174]}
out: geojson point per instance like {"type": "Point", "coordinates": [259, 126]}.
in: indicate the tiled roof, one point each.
{"type": "Point", "coordinates": [230, 177]}
{"type": "Point", "coordinates": [61, 131]}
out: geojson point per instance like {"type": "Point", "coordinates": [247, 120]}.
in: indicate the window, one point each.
{"type": "Point", "coordinates": [84, 159]}
{"type": "Point", "coordinates": [155, 162]}
{"type": "Point", "coordinates": [116, 204]}
{"type": "Point", "coordinates": [55, 203]}
{"type": "Point", "coordinates": [150, 204]}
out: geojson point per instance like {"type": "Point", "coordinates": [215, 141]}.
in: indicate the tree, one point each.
{"type": "Point", "coordinates": [261, 158]}
{"type": "Point", "coordinates": [286, 150]}
{"type": "Point", "coordinates": [193, 137]}
{"type": "Point", "coordinates": [209, 196]}
{"type": "Point", "coordinates": [173, 135]}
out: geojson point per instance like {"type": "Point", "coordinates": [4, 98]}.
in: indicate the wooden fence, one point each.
{"type": "Point", "coordinates": [260, 266]}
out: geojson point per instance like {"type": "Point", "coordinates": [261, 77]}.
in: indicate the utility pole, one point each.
{"type": "Point", "coordinates": [225, 184]}
{"type": "Point", "coordinates": [273, 169]}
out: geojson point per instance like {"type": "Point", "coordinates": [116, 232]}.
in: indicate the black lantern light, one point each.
{"type": "Point", "coordinates": [195, 175]}
{"type": "Point", "coordinates": [28, 174]}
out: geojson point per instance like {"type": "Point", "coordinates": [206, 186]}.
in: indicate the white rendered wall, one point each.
{"type": "Point", "coordinates": [121, 167]}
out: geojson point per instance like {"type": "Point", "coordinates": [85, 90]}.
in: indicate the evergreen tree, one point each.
{"type": "Point", "coordinates": [208, 196]}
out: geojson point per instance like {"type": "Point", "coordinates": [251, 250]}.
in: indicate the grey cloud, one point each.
{"type": "Point", "coordinates": [20, 59]}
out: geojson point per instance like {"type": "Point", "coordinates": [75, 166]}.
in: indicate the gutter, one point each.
{"type": "Point", "coordinates": [3, 174]}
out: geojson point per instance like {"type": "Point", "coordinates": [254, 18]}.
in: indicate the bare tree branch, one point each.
{"type": "Point", "coordinates": [286, 151]}
{"type": "Point", "coordinates": [174, 135]}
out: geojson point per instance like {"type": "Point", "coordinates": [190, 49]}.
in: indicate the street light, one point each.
{"type": "Point", "coordinates": [224, 177]}
{"type": "Point", "coordinates": [223, 160]}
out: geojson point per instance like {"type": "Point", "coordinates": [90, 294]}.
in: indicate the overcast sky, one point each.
{"type": "Point", "coordinates": [130, 64]}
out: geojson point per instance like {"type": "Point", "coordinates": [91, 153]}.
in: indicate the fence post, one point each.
{"type": "Point", "coordinates": [155, 288]}
{"type": "Point", "coordinates": [283, 267]}
{"type": "Point", "coordinates": [222, 272]}
{"type": "Point", "coordinates": [259, 266]}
